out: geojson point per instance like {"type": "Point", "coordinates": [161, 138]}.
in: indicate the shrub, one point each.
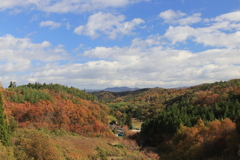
{"type": "Point", "coordinates": [33, 144]}
{"type": "Point", "coordinates": [102, 153]}
{"type": "Point", "coordinates": [6, 153]}
{"type": "Point", "coordinates": [130, 144]}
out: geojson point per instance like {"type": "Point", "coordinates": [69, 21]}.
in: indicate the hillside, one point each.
{"type": "Point", "coordinates": [151, 102]}
{"type": "Point", "coordinates": [51, 121]}
{"type": "Point", "coordinates": [56, 107]}
{"type": "Point", "coordinates": [172, 116]}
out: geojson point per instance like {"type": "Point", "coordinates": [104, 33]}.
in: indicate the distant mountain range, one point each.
{"type": "Point", "coordinates": [114, 89]}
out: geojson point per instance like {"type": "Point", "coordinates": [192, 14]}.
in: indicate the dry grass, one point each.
{"type": "Point", "coordinates": [78, 147]}
{"type": "Point", "coordinates": [39, 144]}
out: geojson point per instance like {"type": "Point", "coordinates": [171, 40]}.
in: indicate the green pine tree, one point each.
{"type": "Point", "coordinates": [129, 120]}
{"type": "Point", "coordinates": [4, 130]}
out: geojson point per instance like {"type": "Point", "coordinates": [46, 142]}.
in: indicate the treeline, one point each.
{"type": "Point", "coordinates": [34, 92]}
{"type": "Point", "coordinates": [61, 88]}
{"type": "Point", "coordinates": [22, 94]}
{"type": "Point", "coordinates": [218, 85]}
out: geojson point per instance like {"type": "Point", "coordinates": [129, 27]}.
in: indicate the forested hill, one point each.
{"type": "Point", "coordinates": [109, 95]}
{"type": "Point", "coordinates": [197, 122]}
{"type": "Point", "coordinates": [54, 106]}
{"type": "Point", "coordinates": [56, 122]}
{"type": "Point", "coordinates": [150, 102]}
{"type": "Point", "coordinates": [200, 122]}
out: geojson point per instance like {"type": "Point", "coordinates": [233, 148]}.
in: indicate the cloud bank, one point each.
{"type": "Point", "coordinates": [157, 60]}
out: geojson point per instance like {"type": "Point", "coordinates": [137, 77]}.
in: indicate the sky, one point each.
{"type": "Point", "coordinates": [95, 44]}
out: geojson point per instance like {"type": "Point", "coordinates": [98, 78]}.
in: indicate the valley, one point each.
{"type": "Point", "coordinates": [197, 122]}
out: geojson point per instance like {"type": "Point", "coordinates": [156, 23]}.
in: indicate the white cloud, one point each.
{"type": "Point", "coordinates": [108, 24]}
{"type": "Point", "coordinates": [170, 15]}
{"type": "Point", "coordinates": [12, 3]}
{"type": "Point", "coordinates": [18, 54]}
{"type": "Point", "coordinates": [213, 34]}
{"type": "Point", "coordinates": [218, 38]}
{"type": "Point", "coordinates": [195, 18]}
{"type": "Point", "coordinates": [51, 24]}
{"type": "Point", "coordinates": [232, 16]}
{"type": "Point", "coordinates": [179, 33]}
{"type": "Point", "coordinates": [206, 36]}
{"type": "Point", "coordinates": [151, 66]}
{"type": "Point", "coordinates": [229, 21]}
{"type": "Point", "coordinates": [178, 17]}
{"type": "Point", "coordinates": [65, 6]}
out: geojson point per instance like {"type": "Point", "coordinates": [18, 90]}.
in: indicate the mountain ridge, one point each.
{"type": "Point", "coordinates": [114, 89]}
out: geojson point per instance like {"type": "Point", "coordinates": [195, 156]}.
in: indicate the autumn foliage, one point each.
{"type": "Point", "coordinates": [203, 142]}
{"type": "Point", "coordinates": [59, 111]}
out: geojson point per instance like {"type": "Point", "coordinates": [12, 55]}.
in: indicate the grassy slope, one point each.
{"type": "Point", "coordinates": [42, 144]}
{"type": "Point", "coordinates": [78, 147]}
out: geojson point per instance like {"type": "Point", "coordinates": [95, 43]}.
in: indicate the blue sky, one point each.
{"type": "Point", "coordinates": [94, 44]}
